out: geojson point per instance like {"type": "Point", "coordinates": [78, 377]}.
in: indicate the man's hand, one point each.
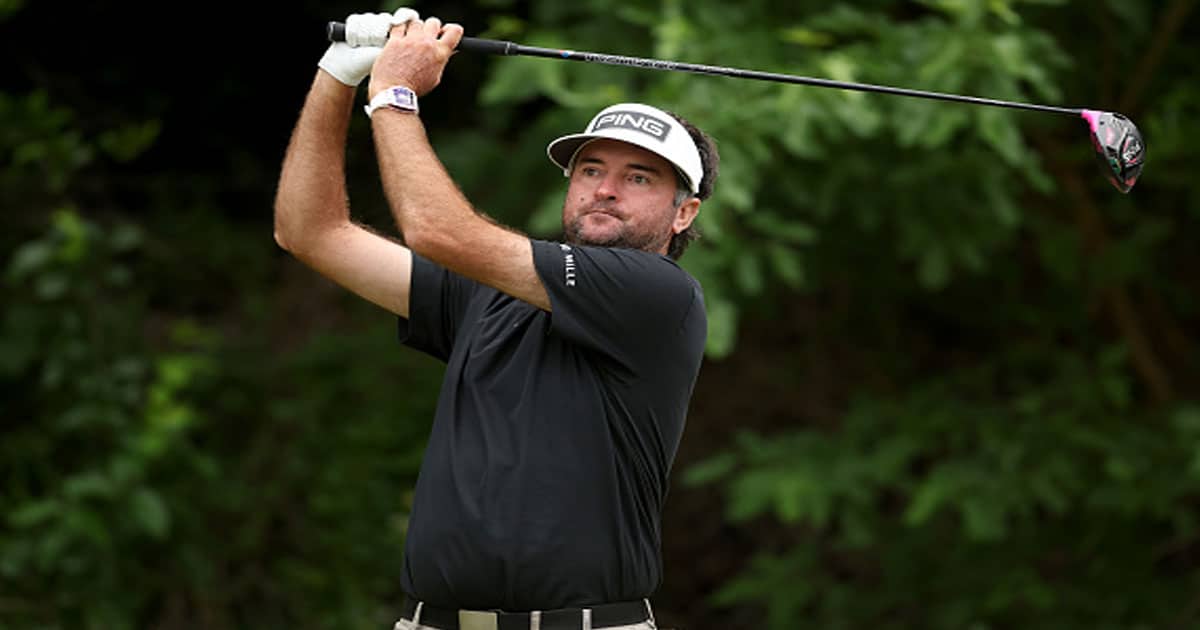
{"type": "Point", "coordinates": [415, 56]}
{"type": "Point", "coordinates": [351, 61]}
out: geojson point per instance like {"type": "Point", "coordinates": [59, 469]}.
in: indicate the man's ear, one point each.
{"type": "Point", "coordinates": [685, 214]}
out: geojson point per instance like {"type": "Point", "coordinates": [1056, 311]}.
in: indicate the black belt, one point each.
{"type": "Point", "coordinates": [603, 616]}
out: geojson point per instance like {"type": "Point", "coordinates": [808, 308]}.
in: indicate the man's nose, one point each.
{"type": "Point", "coordinates": [607, 188]}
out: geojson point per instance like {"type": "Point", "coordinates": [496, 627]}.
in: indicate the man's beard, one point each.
{"type": "Point", "coordinates": [646, 241]}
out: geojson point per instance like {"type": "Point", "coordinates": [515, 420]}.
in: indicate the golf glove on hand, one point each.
{"type": "Point", "coordinates": [350, 61]}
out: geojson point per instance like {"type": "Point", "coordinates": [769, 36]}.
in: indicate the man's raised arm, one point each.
{"type": "Point", "coordinates": [437, 220]}
{"type": "Point", "coordinates": [312, 215]}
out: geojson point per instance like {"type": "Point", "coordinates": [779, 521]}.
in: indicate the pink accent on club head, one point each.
{"type": "Point", "coordinates": [1093, 118]}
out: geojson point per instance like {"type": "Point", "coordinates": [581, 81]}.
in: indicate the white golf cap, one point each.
{"type": "Point", "coordinates": [642, 125]}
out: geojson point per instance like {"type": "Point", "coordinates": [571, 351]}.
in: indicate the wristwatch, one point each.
{"type": "Point", "coordinates": [396, 97]}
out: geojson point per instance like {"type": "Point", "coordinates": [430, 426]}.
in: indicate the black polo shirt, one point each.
{"type": "Point", "coordinates": [544, 479]}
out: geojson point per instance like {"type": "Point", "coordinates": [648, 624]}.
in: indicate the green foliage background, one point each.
{"type": "Point", "coordinates": [952, 376]}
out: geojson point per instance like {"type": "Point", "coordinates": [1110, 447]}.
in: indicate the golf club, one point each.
{"type": "Point", "coordinates": [1116, 140]}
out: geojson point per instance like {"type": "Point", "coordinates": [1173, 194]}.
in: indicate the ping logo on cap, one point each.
{"type": "Point", "coordinates": [649, 125]}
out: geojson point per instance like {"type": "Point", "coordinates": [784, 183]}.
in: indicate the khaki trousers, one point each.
{"type": "Point", "coordinates": [405, 624]}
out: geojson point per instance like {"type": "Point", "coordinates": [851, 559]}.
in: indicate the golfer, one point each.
{"type": "Point", "coordinates": [569, 365]}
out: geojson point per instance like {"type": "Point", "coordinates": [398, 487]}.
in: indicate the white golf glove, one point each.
{"type": "Point", "coordinates": [350, 61]}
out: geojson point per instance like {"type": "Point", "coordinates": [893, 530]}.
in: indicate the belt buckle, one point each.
{"type": "Point", "coordinates": [477, 620]}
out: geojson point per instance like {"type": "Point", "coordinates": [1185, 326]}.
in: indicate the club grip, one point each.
{"type": "Point", "coordinates": [336, 32]}
{"type": "Point", "coordinates": [487, 46]}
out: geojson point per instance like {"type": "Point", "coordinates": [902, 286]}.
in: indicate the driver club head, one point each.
{"type": "Point", "coordinates": [1118, 145]}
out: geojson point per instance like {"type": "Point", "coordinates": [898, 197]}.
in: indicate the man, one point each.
{"type": "Point", "coordinates": [569, 365]}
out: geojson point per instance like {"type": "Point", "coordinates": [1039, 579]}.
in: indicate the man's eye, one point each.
{"type": "Point", "coordinates": [639, 179]}
{"type": "Point", "coordinates": [590, 171]}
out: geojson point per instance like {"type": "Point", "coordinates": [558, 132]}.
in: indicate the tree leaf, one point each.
{"type": "Point", "coordinates": [710, 470]}
{"type": "Point", "coordinates": [150, 512]}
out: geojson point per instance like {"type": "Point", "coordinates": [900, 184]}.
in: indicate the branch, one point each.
{"type": "Point", "coordinates": [1145, 360]}
{"type": "Point", "coordinates": [1168, 27]}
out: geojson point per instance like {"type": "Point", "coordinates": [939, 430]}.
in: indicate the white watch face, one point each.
{"type": "Point", "coordinates": [403, 98]}
{"type": "Point", "coordinates": [396, 97]}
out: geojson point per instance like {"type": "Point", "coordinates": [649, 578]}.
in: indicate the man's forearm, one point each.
{"type": "Point", "coordinates": [428, 206]}
{"type": "Point", "coordinates": [312, 186]}
{"type": "Point", "coordinates": [437, 220]}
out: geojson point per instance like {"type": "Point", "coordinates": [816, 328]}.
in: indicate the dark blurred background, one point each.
{"type": "Point", "coordinates": [952, 379]}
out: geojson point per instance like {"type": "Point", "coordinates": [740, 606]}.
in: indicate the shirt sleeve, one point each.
{"type": "Point", "coordinates": [621, 302]}
{"type": "Point", "coordinates": [437, 303]}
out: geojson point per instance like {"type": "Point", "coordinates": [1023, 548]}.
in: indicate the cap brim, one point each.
{"type": "Point", "coordinates": [563, 150]}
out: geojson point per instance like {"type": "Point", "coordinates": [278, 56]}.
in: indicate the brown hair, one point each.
{"type": "Point", "coordinates": [710, 162]}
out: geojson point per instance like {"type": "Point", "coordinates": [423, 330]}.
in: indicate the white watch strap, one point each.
{"type": "Point", "coordinates": [397, 97]}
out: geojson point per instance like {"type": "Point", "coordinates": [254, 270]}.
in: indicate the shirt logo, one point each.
{"type": "Point", "coordinates": [644, 123]}
{"type": "Point", "coordinates": [568, 264]}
